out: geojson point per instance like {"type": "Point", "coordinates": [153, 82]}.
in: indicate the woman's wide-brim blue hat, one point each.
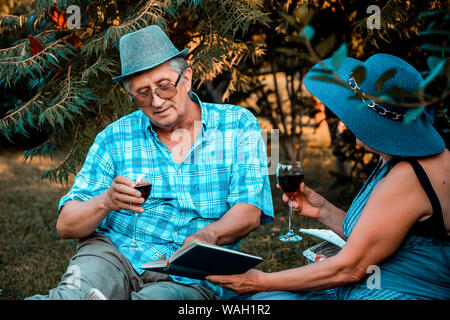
{"type": "Point", "coordinates": [144, 49]}
{"type": "Point", "coordinates": [380, 126]}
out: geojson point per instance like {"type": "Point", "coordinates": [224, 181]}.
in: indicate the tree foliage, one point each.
{"type": "Point", "coordinates": [68, 71]}
{"type": "Point", "coordinates": [238, 48]}
{"type": "Point", "coordinates": [304, 32]}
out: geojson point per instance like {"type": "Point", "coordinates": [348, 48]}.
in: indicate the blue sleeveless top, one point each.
{"type": "Point", "coordinates": [419, 269]}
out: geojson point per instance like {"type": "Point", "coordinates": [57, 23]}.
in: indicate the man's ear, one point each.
{"type": "Point", "coordinates": [126, 83]}
{"type": "Point", "coordinates": [187, 75]}
{"type": "Point", "coordinates": [129, 95]}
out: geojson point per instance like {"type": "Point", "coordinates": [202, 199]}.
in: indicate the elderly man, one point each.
{"type": "Point", "coordinates": [208, 170]}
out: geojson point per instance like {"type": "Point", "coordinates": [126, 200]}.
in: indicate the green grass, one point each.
{"type": "Point", "coordinates": [33, 257]}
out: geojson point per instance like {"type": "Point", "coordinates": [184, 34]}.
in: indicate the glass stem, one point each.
{"type": "Point", "coordinates": [290, 217]}
{"type": "Point", "coordinates": [135, 225]}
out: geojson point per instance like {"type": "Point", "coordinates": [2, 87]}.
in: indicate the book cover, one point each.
{"type": "Point", "coordinates": [198, 259]}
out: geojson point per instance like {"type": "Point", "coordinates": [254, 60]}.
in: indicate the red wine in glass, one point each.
{"type": "Point", "coordinates": [290, 183]}
{"type": "Point", "coordinates": [290, 176]}
{"type": "Point", "coordinates": [144, 190]}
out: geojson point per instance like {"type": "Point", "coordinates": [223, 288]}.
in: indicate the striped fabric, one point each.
{"type": "Point", "coordinates": [360, 200]}
{"type": "Point", "coordinates": [361, 292]}
{"type": "Point", "coordinates": [417, 270]}
{"type": "Point", "coordinates": [226, 165]}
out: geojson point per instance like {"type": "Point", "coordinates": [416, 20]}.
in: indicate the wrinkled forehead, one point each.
{"type": "Point", "coordinates": [153, 76]}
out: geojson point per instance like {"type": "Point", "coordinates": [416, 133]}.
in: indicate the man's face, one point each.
{"type": "Point", "coordinates": [163, 113]}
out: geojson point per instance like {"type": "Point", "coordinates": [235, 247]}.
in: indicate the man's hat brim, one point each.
{"type": "Point", "coordinates": [122, 77]}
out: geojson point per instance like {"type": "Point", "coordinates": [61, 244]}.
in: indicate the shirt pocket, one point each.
{"type": "Point", "coordinates": [152, 203]}
{"type": "Point", "coordinates": [158, 208]}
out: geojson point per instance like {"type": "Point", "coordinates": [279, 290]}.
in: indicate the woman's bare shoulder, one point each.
{"type": "Point", "coordinates": [437, 169]}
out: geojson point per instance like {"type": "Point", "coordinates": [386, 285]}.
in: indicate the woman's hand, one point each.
{"type": "Point", "coordinates": [306, 202]}
{"type": "Point", "coordinates": [252, 281]}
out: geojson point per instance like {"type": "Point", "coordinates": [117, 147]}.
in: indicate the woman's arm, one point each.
{"type": "Point", "coordinates": [333, 218]}
{"type": "Point", "coordinates": [395, 204]}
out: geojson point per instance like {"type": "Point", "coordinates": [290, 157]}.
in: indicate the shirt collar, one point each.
{"type": "Point", "coordinates": [203, 109]}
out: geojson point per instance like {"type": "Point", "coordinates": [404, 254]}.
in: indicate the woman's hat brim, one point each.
{"type": "Point", "coordinates": [417, 138]}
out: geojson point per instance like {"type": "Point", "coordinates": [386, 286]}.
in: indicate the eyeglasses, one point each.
{"type": "Point", "coordinates": [167, 91]}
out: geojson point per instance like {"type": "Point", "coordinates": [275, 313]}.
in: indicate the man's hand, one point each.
{"type": "Point", "coordinates": [123, 195]}
{"type": "Point", "coordinates": [202, 235]}
{"type": "Point", "coordinates": [77, 219]}
{"type": "Point", "coordinates": [252, 281]}
{"type": "Point", "coordinates": [237, 223]}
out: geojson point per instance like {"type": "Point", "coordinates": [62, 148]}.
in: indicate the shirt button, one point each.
{"type": "Point", "coordinates": [175, 234]}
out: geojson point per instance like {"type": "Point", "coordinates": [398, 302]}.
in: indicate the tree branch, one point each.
{"type": "Point", "coordinates": [23, 107]}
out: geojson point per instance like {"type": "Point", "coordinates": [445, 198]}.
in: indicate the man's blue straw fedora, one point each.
{"type": "Point", "coordinates": [144, 49]}
{"type": "Point", "coordinates": [380, 126]}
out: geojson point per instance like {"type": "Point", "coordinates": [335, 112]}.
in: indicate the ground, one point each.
{"type": "Point", "coordinates": [33, 257]}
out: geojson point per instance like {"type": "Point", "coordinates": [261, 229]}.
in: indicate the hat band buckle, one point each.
{"type": "Point", "coordinates": [382, 111]}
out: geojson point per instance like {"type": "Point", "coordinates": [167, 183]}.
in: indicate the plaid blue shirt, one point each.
{"type": "Point", "coordinates": [226, 165]}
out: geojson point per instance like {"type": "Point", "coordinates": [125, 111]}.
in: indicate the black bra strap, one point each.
{"type": "Point", "coordinates": [434, 226]}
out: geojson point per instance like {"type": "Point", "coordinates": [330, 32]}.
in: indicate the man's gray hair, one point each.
{"type": "Point", "coordinates": [178, 64]}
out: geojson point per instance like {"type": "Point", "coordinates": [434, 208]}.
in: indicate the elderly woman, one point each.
{"type": "Point", "coordinates": [400, 219]}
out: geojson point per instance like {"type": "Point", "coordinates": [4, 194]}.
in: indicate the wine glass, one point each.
{"type": "Point", "coordinates": [289, 177]}
{"type": "Point", "coordinates": [144, 187]}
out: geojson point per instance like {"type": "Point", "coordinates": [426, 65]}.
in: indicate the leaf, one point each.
{"type": "Point", "coordinates": [339, 56]}
{"type": "Point", "coordinates": [322, 71]}
{"type": "Point", "coordinates": [325, 46]}
{"type": "Point", "coordinates": [327, 79]}
{"type": "Point", "coordinates": [354, 97]}
{"type": "Point", "coordinates": [59, 18]}
{"type": "Point", "coordinates": [412, 114]}
{"type": "Point", "coordinates": [433, 61]}
{"type": "Point", "coordinates": [35, 45]}
{"type": "Point", "coordinates": [307, 32]}
{"type": "Point", "coordinates": [287, 51]}
{"type": "Point", "coordinates": [194, 2]}
{"type": "Point", "coordinates": [360, 106]}
{"type": "Point", "coordinates": [74, 40]}
{"type": "Point", "coordinates": [30, 119]}
{"type": "Point", "coordinates": [6, 133]}
{"type": "Point", "coordinates": [437, 68]}
{"type": "Point", "coordinates": [432, 47]}
{"type": "Point", "coordinates": [20, 128]}
{"type": "Point", "coordinates": [359, 74]}
{"type": "Point", "coordinates": [383, 78]}
{"type": "Point", "coordinates": [303, 14]}
{"type": "Point", "coordinates": [435, 32]}
{"type": "Point", "coordinates": [431, 13]}
{"type": "Point", "coordinates": [52, 59]}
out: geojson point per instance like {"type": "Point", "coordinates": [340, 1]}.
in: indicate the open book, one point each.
{"type": "Point", "coordinates": [197, 259]}
{"type": "Point", "coordinates": [325, 234]}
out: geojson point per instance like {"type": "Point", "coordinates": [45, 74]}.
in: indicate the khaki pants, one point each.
{"type": "Point", "coordinates": [99, 264]}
